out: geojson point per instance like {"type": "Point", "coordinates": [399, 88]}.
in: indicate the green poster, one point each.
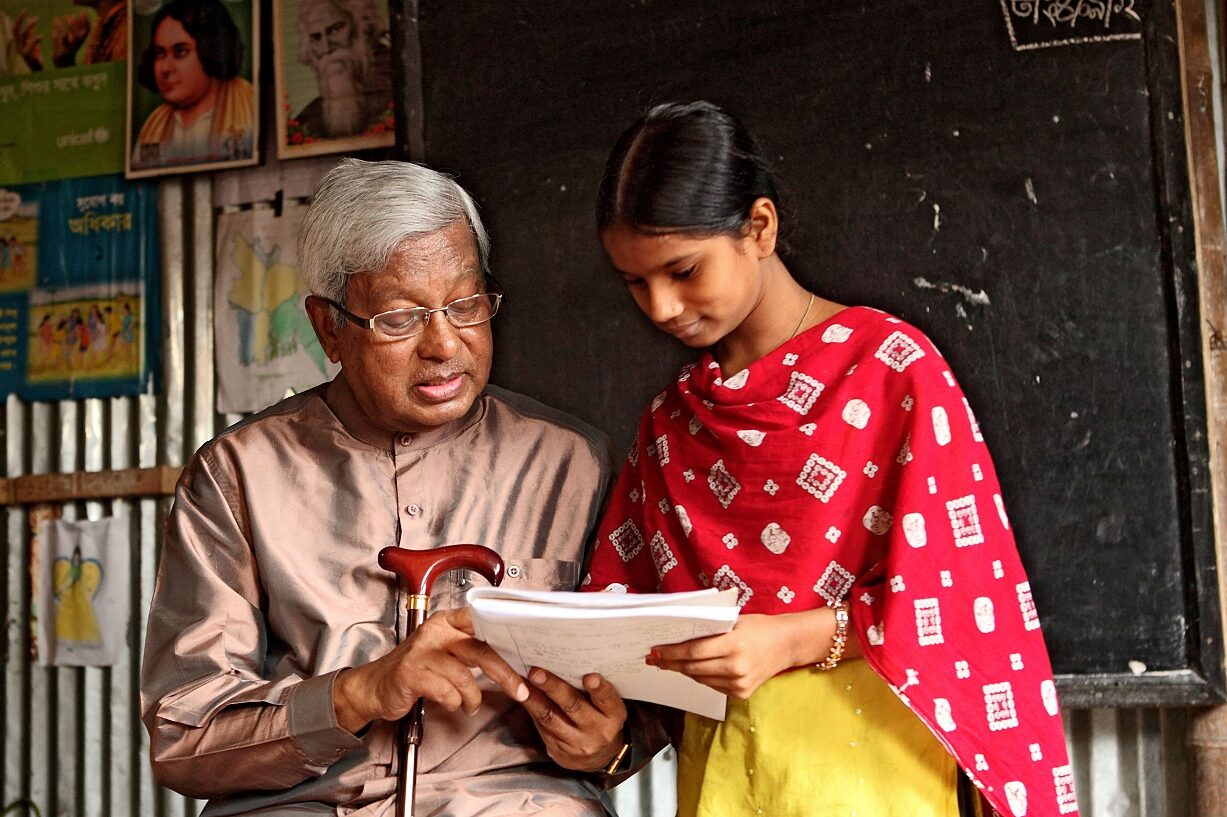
{"type": "Point", "coordinates": [63, 73]}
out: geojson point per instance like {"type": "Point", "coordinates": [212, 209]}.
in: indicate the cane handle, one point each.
{"type": "Point", "coordinates": [420, 568]}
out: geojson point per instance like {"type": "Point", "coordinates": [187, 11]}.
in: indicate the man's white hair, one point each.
{"type": "Point", "coordinates": [362, 211]}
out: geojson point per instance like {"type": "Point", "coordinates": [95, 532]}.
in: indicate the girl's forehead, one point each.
{"type": "Point", "coordinates": [633, 251]}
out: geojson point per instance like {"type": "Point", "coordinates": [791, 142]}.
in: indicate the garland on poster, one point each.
{"type": "Point", "coordinates": [78, 289]}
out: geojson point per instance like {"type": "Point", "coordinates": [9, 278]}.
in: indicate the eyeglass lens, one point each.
{"type": "Point", "coordinates": [464, 312]}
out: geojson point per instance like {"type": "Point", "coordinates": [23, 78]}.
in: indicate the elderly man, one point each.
{"type": "Point", "coordinates": [347, 45]}
{"type": "Point", "coordinates": [272, 676]}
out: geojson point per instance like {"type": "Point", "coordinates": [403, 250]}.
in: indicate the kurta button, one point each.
{"type": "Point", "coordinates": [513, 571]}
{"type": "Point", "coordinates": [412, 510]}
{"type": "Point", "coordinates": [404, 439]}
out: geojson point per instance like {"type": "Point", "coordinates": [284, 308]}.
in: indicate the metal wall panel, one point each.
{"type": "Point", "coordinates": [73, 742]}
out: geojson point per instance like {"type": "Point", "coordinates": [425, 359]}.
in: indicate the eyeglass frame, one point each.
{"type": "Point", "coordinates": [493, 288]}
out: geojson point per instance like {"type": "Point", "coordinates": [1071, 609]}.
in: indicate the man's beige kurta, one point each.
{"type": "Point", "coordinates": [268, 586]}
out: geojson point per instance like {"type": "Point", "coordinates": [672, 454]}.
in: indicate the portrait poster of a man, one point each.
{"type": "Point", "coordinates": [334, 76]}
{"type": "Point", "coordinates": [192, 102]}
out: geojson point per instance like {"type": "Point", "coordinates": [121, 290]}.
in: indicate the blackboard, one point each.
{"type": "Point", "coordinates": [1011, 181]}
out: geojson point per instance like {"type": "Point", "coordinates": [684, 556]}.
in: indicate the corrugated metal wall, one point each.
{"type": "Point", "coordinates": [73, 743]}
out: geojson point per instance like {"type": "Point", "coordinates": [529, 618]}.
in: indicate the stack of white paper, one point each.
{"type": "Point", "coordinates": [573, 634]}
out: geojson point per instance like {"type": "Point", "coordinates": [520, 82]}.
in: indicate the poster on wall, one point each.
{"type": "Point", "coordinates": [192, 100]}
{"type": "Point", "coordinates": [334, 76]}
{"type": "Point", "coordinates": [63, 65]}
{"type": "Point", "coordinates": [78, 289]}
{"type": "Point", "coordinates": [265, 344]}
{"type": "Point", "coordinates": [83, 592]}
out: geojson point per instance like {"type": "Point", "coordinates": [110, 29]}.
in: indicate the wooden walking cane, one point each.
{"type": "Point", "coordinates": [419, 569]}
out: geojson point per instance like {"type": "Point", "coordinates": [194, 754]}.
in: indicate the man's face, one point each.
{"type": "Point", "coordinates": [328, 29]}
{"type": "Point", "coordinates": [177, 70]}
{"type": "Point", "coordinates": [424, 381]}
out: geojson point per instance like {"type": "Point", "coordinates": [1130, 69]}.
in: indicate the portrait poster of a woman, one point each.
{"type": "Point", "coordinates": [192, 102]}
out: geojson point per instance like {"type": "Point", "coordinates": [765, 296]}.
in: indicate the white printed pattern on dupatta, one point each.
{"type": "Point", "coordinates": [965, 522]}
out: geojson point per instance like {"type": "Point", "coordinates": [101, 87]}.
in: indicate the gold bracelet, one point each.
{"type": "Point", "coordinates": [612, 768]}
{"type": "Point", "coordinates": [839, 640]}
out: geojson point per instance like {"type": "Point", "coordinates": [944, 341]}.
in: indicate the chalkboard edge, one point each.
{"type": "Point", "coordinates": [1124, 690]}
{"type": "Point", "coordinates": [1177, 228]}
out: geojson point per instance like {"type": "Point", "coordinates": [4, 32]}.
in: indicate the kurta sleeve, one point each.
{"type": "Point", "coordinates": [947, 617]}
{"type": "Point", "coordinates": [216, 724]}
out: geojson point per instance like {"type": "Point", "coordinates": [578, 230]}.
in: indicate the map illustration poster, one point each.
{"type": "Point", "coordinates": [266, 347]}
{"type": "Point", "coordinates": [83, 592]}
{"type": "Point", "coordinates": [78, 289]}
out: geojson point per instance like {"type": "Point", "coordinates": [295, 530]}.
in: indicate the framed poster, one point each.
{"type": "Point", "coordinates": [62, 69]}
{"type": "Point", "coordinates": [192, 100]}
{"type": "Point", "coordinates": [334, 76]}
{"type": "Point", "coordinates": [78, 289]}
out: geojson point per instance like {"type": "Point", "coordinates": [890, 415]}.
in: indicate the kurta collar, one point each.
{"type": "Point", "coordinates": [340, 398]}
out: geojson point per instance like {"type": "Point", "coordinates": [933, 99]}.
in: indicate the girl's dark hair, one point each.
{"type": "Point", "coordinates": [218, 42]}
{"type": "Point", "coordinates": [683, 168]}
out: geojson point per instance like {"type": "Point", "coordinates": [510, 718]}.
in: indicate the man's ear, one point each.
{"type": "Point", "coordinates": [324, 322]}
{"type": "Point", "coordinates": [764, 226]}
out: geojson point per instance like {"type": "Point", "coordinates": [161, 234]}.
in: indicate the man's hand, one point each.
{"type": "Point", "coordinates": [28, 41]}
{"type": "Point", "coordinates": [67, 34]}
{"type": "Point", "coordinates": [582, 729]}
{"type": "Point", "coordinates": [433, 663]}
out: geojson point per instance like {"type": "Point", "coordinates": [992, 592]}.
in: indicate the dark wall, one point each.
{"type": "Point", "coordinates": [1025, 208]}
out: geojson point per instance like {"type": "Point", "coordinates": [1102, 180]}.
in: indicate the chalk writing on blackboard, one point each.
{"type": "Point", "coordinates": [1046, 23]}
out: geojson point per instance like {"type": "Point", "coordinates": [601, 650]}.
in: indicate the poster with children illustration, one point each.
{"type": "Point", "coordinates": [83, 592]}
{"type": "Point", "coordinates": [78, 289]}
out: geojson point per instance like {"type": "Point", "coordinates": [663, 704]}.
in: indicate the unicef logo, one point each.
{"type": "Point", "coordinates": [101, 134]}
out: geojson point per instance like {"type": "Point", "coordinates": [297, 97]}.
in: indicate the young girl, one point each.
{"type": "Point", "coordinates": [822, 461]}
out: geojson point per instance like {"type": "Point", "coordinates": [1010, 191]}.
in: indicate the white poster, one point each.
{"type": "Point", "coordinates": [266, 347]}
{"type": "Point", "coordinates": [83, 592]}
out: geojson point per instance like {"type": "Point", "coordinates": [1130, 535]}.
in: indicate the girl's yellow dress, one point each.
{"type": "Point", "coordinates": [810, 743]}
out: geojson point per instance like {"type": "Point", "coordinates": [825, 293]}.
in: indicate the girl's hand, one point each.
{"type": "Point", "coordinates": [757, 648]}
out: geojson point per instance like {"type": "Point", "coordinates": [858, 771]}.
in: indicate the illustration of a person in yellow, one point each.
{"type": "Point", "coordinates": [75, 582]}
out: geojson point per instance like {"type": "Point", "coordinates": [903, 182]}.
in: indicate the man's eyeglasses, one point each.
{"type": "Point", "coordinates": [398, 324]}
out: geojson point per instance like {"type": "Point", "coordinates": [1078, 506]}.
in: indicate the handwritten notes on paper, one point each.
{"type": "Point", "coordinates": [1044, 23]}
{"type": "Point", "coordinates": [573, 634]}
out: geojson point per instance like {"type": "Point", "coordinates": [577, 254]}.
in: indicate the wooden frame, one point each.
{"type": "Point", "coordinates": [157, 142]}
{"type": "Point", "coordinates": [35, 489]}
{"type": "Point", "coordinates": [1209, 246]}
{"type": "Point", "coordinates": [303, 128]}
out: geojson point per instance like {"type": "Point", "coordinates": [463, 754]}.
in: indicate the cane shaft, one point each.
{"type": "Point", "coordinates": [409, 730]}
{"type": "Point", "coordinates": [406, 777]}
